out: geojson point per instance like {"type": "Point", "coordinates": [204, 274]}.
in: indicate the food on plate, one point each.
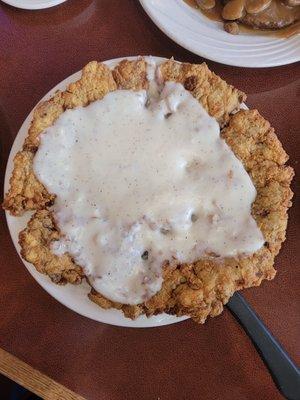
{"type": "Point", "coordinates": [152, 184]}
{"type": "Point", "coordinates": [257, 14]}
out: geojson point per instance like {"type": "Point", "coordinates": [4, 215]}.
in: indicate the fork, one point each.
{"type": "Point", "coordinates": [283, 370]}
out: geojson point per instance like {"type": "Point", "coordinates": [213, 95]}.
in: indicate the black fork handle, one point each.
{"type": "Point", "coordinates": [284, 371]}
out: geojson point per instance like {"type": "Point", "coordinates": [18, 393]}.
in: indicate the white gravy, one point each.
{"type": "Point", "coordinates": [140, 183]}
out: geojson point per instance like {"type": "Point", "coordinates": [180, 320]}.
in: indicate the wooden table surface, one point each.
{"type": "Point", "coordinates": [57, 353]}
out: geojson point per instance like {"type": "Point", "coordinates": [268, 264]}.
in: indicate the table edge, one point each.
{"type": "Point", "coordinates": [34, 380]}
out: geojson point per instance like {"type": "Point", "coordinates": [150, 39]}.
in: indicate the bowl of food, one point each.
{"type": "Point", "coordinates": [141, 192]}
{"type": "Point", "coordinates": [243, 33]}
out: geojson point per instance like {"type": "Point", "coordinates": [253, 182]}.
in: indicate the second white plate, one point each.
{"type": "Point", "coordinates": [193, 31]}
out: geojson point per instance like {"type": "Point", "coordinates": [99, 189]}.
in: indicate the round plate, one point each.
{"type": "Point", "coordinates": [195, 32]}
{"type": "Point", "coordinates": [73, 296]}
{"type": "Point", "coordinates": [33, 4]}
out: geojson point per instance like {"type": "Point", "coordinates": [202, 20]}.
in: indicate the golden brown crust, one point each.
{"type": "Point", "coordinates": [35, 241]}
{"type": "Point", "coordinates": [131, 75]}
{"type": "Point", "coordinates": [129, 311]}
{"type": "Point", "coordinates": [26, 192]}
{"type": "Point", "coordinates": [253, 140]}
{"type": "Point", "coordinates": [217, 97]}
{"type": "Point", "coordinates": [96, 81]}
{"type": "Point", "coordinates": [200, 289]}
{"type": "Point", "coordinates": [44, 116]}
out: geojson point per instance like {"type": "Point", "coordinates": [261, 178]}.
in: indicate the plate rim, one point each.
{"type": "Point", "coordinates": [146, 5]}
{"type": "Point", "coordinates": [41, 4]}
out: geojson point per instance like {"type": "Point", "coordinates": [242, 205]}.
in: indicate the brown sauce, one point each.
{"type": "Point", "coordinates": [215, 14]}
{"type": "Point", "coordinates": [282, 33]}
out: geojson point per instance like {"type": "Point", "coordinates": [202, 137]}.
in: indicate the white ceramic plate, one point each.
{"type": "Point", "coordinates": [73, 296]}
{"type": "Point", "coordinates": [193, 31]}
{"type": "Point", "coordinates": [33, 4]}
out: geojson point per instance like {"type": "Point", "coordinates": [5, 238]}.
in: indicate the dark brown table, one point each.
{"type": "Point", "coordinates": [183, 361]}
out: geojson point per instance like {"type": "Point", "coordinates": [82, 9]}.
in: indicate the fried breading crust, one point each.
{"type": "Point", "coordinates": [254, 142]}
{"type": "Point", "coordinates": [131, 75]}
{"type": "Point", "coordinates": [35, 241]}
{"type": "Point", "coordinates": [25, 190]}
{"type": "Point", "coordinates": [198, 289]}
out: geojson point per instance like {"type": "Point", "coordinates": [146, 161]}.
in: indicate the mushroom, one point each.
{"type": "Point", "coordinates": [234, 9]}
{"type": "Point", "coordinates": [206, 4]}
{"type": "Point", "coordinates": [232, 28]}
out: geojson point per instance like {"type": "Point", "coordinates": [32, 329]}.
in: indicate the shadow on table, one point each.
{"type": "Point", "coordinates": [10, 390]}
